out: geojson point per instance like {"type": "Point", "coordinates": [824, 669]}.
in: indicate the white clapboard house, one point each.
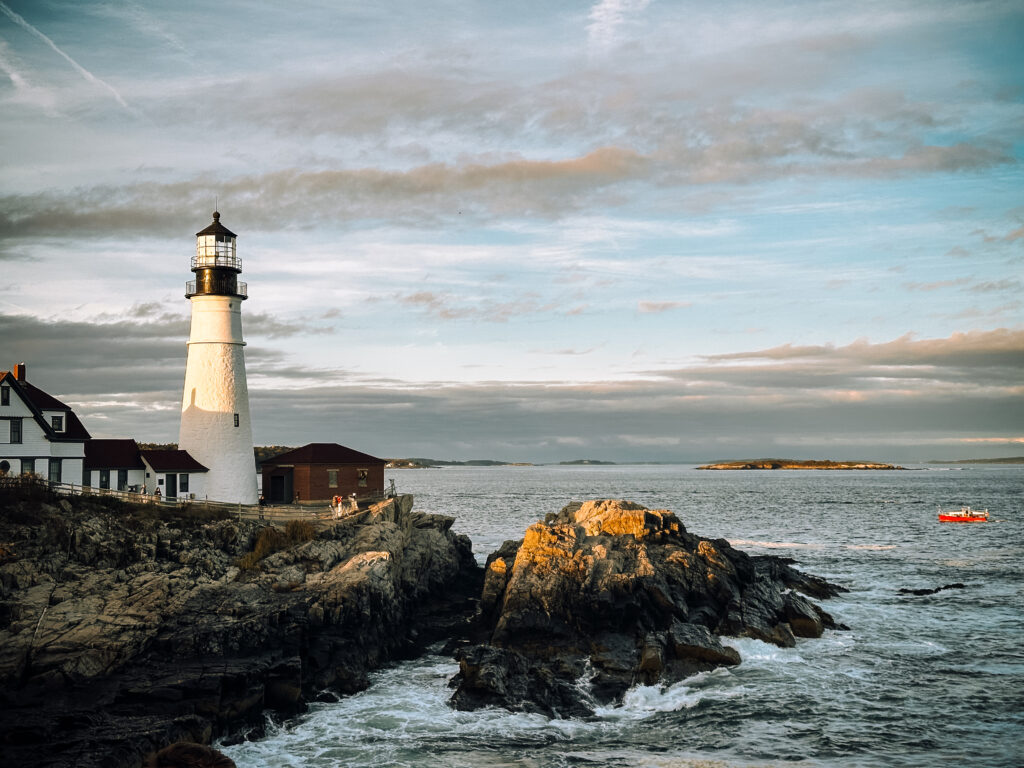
{"type": "Point", "coordinates": [38, 433]}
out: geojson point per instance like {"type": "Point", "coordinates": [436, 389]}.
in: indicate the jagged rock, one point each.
{"type": "Point", "coordinates": [120, 632]}
{"type": "Point", "coordinates": [608, 594]}
{"type": "Point", "coordinates": [919, 592]}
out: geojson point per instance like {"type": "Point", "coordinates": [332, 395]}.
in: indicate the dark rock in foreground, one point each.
{"type": "Point", "coordinates": [608, 594]}
{"type": "Point", "coordinates": [120, 634]}
{"type": "Point", "coordinates": [919, 592]}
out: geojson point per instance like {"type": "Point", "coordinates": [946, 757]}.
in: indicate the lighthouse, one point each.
{"type": "Point", "coordinates": [215, 425]}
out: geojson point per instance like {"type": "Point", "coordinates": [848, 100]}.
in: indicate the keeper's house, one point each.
{"type": "Point", "coordinates": [38, 433]}
{"type": "Point", "coordinates": [321, 471]}
{"type": "Point", "coordinates": [174, 473]}
{"type": "Point", "coordinates": [114, 464]}
{"type": "Point", "coordinates": [120, 464]}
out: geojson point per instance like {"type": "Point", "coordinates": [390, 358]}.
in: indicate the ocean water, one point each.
{"type": "Point", "coordinates": [934, 680]}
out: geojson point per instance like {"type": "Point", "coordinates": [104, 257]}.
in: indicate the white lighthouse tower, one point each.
{"type": "Point", "coordinates": [215, 426]}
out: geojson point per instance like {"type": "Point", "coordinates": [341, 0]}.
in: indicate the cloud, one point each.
{"type": "Point", "coordinates": [998, 286]}
{"type": "Point", "coordinates": [657, 307]}
{"type": "Point", "coordinates": [89, 76]}
{"type": "Point", "coordinates": [141, 20]}
{"type": "Point", "coordinates": [446, 306]}
{"type": "Point", "coordinates": [608, 20]}
{"type": "Point", "coordinates": [279, 199]}
{"type": "Point", "coordinates": [25, 91]}
{"type": "Point", "coordinates": [422, 196]}
{"type": "Point", "coordinates": [1002, 347]}
{"type": "Point", "coordinates": [936, 284]}
{"type": "Point", "coordinates": [124, 380]}
{"type": "Point", "coordinates": [268, 326]}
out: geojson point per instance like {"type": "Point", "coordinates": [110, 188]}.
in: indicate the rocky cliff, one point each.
{"type": "Point", "coordinates": [608, 594]}
{"type": "Point", "coordinates": [122, 630]}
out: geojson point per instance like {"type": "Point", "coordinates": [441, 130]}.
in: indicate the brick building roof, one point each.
{"type": "Point", "coordinates": [323, 453]}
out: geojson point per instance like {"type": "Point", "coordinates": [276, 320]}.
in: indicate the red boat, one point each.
{"type": "Point", "coordinates": [963, 515]}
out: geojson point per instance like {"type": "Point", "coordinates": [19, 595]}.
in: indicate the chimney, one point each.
{"type": "Point", "coordinates": [19, 372]}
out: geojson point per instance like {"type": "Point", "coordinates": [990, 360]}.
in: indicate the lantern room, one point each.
{"type": "Point", "coordinates": [216, 264]}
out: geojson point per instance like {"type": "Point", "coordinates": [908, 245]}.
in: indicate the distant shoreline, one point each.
{"type": "Point", "coordinates": [1006, 460]}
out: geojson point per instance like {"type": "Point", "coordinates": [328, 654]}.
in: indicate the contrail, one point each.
{"type": "Point", "coordinates": [78, 67]}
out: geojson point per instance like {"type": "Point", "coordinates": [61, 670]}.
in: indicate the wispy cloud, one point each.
{"type": "Point", "coordinates": [998, 286]}
{"type": "Point", "coordinates": [25, 91]}
{"type": "Point", "coordinates": [657, 307]}
{"type": "Point", "coordinates": [1001, 347]}
{"type": "Point", "coordinates": [143, 21]}
{"type": "Point", "coordinates": [445, 306]}
{"type": "Point", "coordinates": [89, 76]}
{"type": "Point", "coordinates": [936, 285]}
{"type": "Point", "coordinates": [608, 19]}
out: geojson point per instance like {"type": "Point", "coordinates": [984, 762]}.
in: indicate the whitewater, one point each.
{"type": "Point", "coordinates": [918, 680]}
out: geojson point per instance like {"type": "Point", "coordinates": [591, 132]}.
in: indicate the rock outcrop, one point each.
{"type": "Point", "coordinates": [120, 633]}
{"type": "Point", "coordinates": [608, 594]}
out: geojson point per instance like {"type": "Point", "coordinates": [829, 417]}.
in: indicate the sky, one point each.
{"type": "Point", "coordinates": [623, 230]}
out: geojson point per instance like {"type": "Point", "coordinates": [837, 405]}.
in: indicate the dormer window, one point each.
{"type": "Point", "coordinates": [57, 422]}
{"type": "Point", "coordinates": [5, 395]}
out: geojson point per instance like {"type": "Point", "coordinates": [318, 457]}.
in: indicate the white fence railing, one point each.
{"type": "Point", "coordinates": [271, 513]}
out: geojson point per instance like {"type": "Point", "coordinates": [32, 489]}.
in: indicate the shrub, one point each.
{"type": "Point", "coordinates": [25, 488]}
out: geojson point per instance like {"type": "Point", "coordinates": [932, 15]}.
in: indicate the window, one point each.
{"type": "Point", "coordinates": [332, 478]}
{"type": "Point", "coordinates": [183, 483]}
{"type": "Point", "coordinates": [104, 478]}
{"type": "Point", "coordinates": [362, 474]}
{"type": "Point", "coordinates": [54, 471]}
{"type": "Point", "coordinates": [236, 419]}
{"type": "Point", "coordinates": [86, 477]}
{"type": "Point", "coordinates": [57, 422]}
{"type": "Point", "coordinates": [15, 430]}
{"type": "Point", "coordinates": [5, 395]}
{"type": "Point", "coordinates": [122, 479]}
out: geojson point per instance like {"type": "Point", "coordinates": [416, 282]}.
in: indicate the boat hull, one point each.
{"type": "Point", "coordinates": [962, 519]}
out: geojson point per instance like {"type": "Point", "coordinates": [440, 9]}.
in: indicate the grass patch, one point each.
{"type": "Point", "coordinates": [271, 540]}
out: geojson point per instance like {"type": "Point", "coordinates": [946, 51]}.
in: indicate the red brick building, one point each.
{"type": "Point", "coordinates": [321, 471]}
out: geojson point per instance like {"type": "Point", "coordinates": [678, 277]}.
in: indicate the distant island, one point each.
{"type": "Point", "coordinates": [578, 462]}
{"type": "Point", "coordinates": [798, 464]}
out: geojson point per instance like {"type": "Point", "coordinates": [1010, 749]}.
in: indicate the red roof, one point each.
{"type": "Point", "coordinates": [323, 453]}
{"type": "Point", "coordinates": [172, 461]}
{"type": "Point", "coordinates": [112, 454]}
